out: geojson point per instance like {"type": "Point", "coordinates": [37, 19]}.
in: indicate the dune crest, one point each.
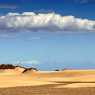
{"type": "Point", "coordinates": [12, 69]}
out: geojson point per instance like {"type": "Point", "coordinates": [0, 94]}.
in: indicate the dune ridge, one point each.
{"type": "Point", "coordinates": [9, 68]}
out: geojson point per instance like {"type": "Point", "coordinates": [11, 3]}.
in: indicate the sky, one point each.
{"type": "Point", "coordinates": [48, 34]}
{"type": "Point", "coordinates": [78, 8]}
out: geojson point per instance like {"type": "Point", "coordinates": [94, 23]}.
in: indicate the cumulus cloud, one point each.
{"type": "Point", "coordinates": [48, 22]}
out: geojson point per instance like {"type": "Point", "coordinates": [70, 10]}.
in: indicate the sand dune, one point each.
{"type": "Point", "coordinates": [16, 77]}
{"type": "Point", "coordinates": [19, 77]}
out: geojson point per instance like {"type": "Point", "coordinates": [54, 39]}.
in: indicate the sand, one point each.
{"type": "Point", "coordinates": [47, 83]}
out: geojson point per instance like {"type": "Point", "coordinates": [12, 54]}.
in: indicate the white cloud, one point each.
{"type": "Point", "coordinates": [48, 22]}
{"type": "Point", "coordinates": [30, 62]}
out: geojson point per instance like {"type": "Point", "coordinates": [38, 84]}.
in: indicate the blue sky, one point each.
{"type": "Point", "coordinates": [49, 50]}
{"type": "Point", "coordinates": [79, 8]}
{"type": "Point", "coordinates": [46, 45]}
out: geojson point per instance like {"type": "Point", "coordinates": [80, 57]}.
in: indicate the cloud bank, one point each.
{"type": "Point", "coordinates": [48, 22]}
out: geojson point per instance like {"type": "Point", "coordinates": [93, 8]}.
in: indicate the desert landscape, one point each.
{"type": "Point", "coordinates": [16, 80]}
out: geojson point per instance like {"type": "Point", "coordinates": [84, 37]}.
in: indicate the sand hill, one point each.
{"type": "Point", "coordinates": [29, 81]}
{"type": "Point", "coordinates": [12, 69]}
